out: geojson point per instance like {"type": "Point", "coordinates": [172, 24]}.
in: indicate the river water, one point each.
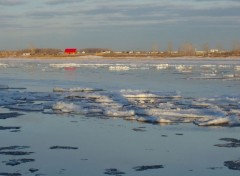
{"type": "Point", "coordinates": [96, 116]}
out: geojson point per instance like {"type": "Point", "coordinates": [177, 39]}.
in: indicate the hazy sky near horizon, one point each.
{"type": "Point", "coordinates": [118, 24]}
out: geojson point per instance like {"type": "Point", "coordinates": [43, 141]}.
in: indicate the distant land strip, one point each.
{"type": "Point", "coordinates": [186, 50]}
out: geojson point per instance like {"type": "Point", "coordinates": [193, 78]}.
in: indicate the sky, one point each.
{"type": "Point", "coordinates": [118, 24]}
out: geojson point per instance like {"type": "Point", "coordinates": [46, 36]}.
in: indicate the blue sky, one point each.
{"type": "Point", "coordinates": [118, 24]}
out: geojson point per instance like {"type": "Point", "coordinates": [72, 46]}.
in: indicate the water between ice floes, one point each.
{"type": "Point", "coordinates": [203, 93]}
{"type": "Point", "coordinates": [150, 90]}
{"type": "Point", "coordinates": [188, 76]}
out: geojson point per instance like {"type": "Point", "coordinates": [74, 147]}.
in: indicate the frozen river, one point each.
{"type": "Point", "coordinates": [119, 117]}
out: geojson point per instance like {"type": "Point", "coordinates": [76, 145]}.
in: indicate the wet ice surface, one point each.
{"type": "Point", "coordinates": [93, 117]}
{"type": "Point", "coordinates": [143, 106]}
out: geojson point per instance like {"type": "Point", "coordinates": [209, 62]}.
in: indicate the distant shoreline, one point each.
{"type": "Point", "coordinates": [94, 57]}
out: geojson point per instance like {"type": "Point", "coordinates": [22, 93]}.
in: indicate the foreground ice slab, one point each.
{"type": "Point", "coordinates": [154, 107]}
{"type": "Point", "coordinates": [138, 105]}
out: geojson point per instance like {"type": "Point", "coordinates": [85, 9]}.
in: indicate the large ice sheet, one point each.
{"type": "Point", "coordinates": [140, 105]}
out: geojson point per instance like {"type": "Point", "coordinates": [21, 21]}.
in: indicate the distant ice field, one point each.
{"type": "Point", "coordinates": [188, 76]}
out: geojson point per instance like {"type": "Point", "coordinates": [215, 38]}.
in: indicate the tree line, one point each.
{"type": "Point", "coordinates": [186, 49]}
{"type": "Point", "coordinates": [31, 52]}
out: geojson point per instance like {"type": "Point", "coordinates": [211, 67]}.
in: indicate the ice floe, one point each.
{"type": "Point", "coordinates": [65, 107]}
{"type": "Point", "coordinates": [162, 66]}
{"type": "Point", "coordinates": [119, 68]}
{"type": "Point", "coordinates": [64, 65]}
{"type": "Point", "coordinates": [224, 66]}
{"type": "Point", "coordinates": [221, 121]}
{"type": "Point", "coordinates": [237, 68]}
{"type": "Point", "coordinates": [118, 113]}
{"type": "Point", "coordinates": [221, 70]}
{"type": "Point", "coordinates": [184, 68]}
{"type": "Point", "coordinates": [208, 66]}
{"type": "Point", "coordinates": [138, 105]}
{"type": "Point", "coordinates": [148, 107]}
{"type": "Point", "coordinates": [2, 65]}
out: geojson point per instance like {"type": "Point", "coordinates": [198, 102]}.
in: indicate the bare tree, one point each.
{"type": "Point", "coordinates": [32, 48]}
{"type": "Point", "coordinates": [219, 47]}
{"type": "Point", "coordinates": [236, 48]}
{"type": "Point", "coordinates": [187, 49]}
{"type": "Point", "coordinates": [155, 47]}
{"type": "Point", "coordinates": [206, 49]}
{"type": "Point", "coordinates": [169, 48]}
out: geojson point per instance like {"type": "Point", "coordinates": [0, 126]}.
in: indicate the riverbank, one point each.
{"type": "Point", "coordinates": [94, 57]}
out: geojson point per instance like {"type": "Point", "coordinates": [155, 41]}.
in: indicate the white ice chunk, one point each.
{"type": "Point", "coordinates": [130, 118]}
{"type": "Point", "coordinates": [162, 66]}
{"type": "Point", "coordinates": [140, 95]}
{"type": "Point", "coordinates": [208, 66]}
{"type": "Point", "coordinates": [212, 122]}
{"type": "Point", "coordinates": [163, 120]}
{"type": "Point", "coordinates": [228, 76]}
{"type": "Point", "coordinates": [184, 68]}
{"type": "Point", "coordinates": [237, 68]}
{"type": "Point", "coordinates": [119, 68]}
{"type": "Point", "coordinates": [65, 107]}
{"type": "Point", "coordinates": [209, 74]}
{"type": "Point", "coordinates": [167, 105]}
{"type": "Point", "coordinates": [148, 119]}
{"type": "Point", "coordinates": [104, 99]}
{"type": "Point", "coordinates": [119, 113]}
{"type": "Point", "coordinates": [235, 111]}
{"type": "Point", "coordinates": [64, 65]}
{"type": "Point", "coordinates": [146, 94]}
{"type": "Point", "coordinates": [76, 109]}
{"type": "Point", "coordinates": [181, 113]}
{"type": "Point", "coordinates": [58, 89]}
{"type": "Point", "coordinates": [3, 65]}
{"type": "Point", "coordinates": [224, 66]}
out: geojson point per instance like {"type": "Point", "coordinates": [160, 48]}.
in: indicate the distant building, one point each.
{"type": "Point", "coordinates": [70, 51]}
{"type": "Point", "coordinates": [106, 52]}
{"type": "Point", "coordinates": [214, 50]}
{"type": "Point", "coordinates": [130, 52]}
{"type": "Point", "coordinates": [26, 54]}
{"type": "Point", "coordinates": [200, 52]}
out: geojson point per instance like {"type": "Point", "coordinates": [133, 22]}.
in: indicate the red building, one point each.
{"type": "Point", "coordinates": [70, 51]}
